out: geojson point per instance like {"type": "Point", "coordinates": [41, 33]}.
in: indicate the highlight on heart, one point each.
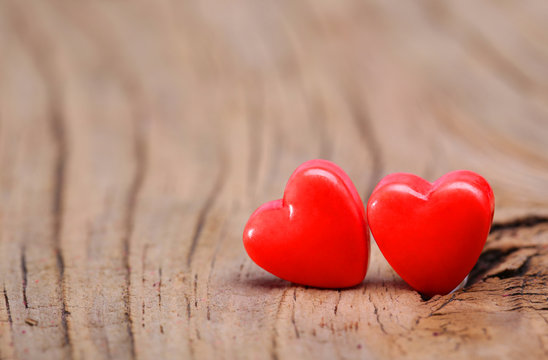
{"type": "Point", "coordinates": [318, 234]}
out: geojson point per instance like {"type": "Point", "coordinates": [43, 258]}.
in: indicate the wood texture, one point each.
{"type": "Point", "coordinates": [137, 137]}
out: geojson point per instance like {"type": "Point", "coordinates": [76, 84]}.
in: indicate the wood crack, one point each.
{"type": "Point", "coordinates": [189, 315]}
{"type": "Point", "coordinates": [140, 159]}
{"type": "Point", "coordinates": [159, 298]}
{"type": "Point", "coordinates": [24, 273]}
{"type": "Point", "coordinates": [521, 307]}
{"type": "Point", "coordinates": [445, 303]}
{"type": "Point", "coordinates": [188, 310]}
{"type": "Point", "coordinates": [508, 273]}
{"type": "Point", "coordinates": [338, 301]}
{"type": "Point", "coordinates": [488, 260]}
{"type": "Point", "coordinates": [143, 266]}
{"type": "Point", "coordinates": [8, 310]}
{"type": "Point", "coordinates": [522, 222]}
{"type": "Point", "coordinates": [377, 315]}
{"type": "Point", "coordinates": [160, 288]}
{"type": "Point", "coordinates": [130, 210]}
{"type": "Point", "coordinates": [58, 130]}
{"type": "Point", "coordinates": [202, 215]}
{"type": "Point", "coordinates": [196, 290]}
{"type": "Point", "coordinates": [293, 322]}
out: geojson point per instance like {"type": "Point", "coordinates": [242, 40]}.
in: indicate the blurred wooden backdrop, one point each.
{"type": "Point", "coordinates": [137, 137]}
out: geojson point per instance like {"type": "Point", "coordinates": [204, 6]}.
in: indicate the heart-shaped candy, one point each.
{"type": "Point", "coordinates": [431, 233]}
{"type": "Point", "coordinates": [317, 234]}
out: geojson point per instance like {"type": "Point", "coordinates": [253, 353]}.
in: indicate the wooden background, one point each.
{"type": "Point", "coordinates": [136, 137]}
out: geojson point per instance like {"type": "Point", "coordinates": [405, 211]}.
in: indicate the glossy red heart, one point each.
{"type": "Point", "coordinates": [317, 234]}
{"type": "Point", "coordinates": [431, 233]}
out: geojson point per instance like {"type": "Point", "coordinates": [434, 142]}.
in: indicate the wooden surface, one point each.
{"type": "Point", "coordinates": [136, 137]}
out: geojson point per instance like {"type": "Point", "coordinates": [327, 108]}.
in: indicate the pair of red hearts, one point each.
{"type": "Point", "coordinates": [431, 233]}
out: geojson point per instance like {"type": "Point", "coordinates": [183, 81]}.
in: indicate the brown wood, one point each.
{"type": "Point", "coordinates": [137, 137]}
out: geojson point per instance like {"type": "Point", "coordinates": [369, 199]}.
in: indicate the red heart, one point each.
{"type": "Point", "coordinates": [431, 233]}
{"type": "Point", "coordinates": [317, 234]}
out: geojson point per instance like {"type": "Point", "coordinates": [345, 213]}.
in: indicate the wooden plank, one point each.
{"type": "Point", "coordinates": [136, 139]}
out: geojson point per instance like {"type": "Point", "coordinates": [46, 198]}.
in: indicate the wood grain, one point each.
{"type": "Point", "coordinates": [137, 137]}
